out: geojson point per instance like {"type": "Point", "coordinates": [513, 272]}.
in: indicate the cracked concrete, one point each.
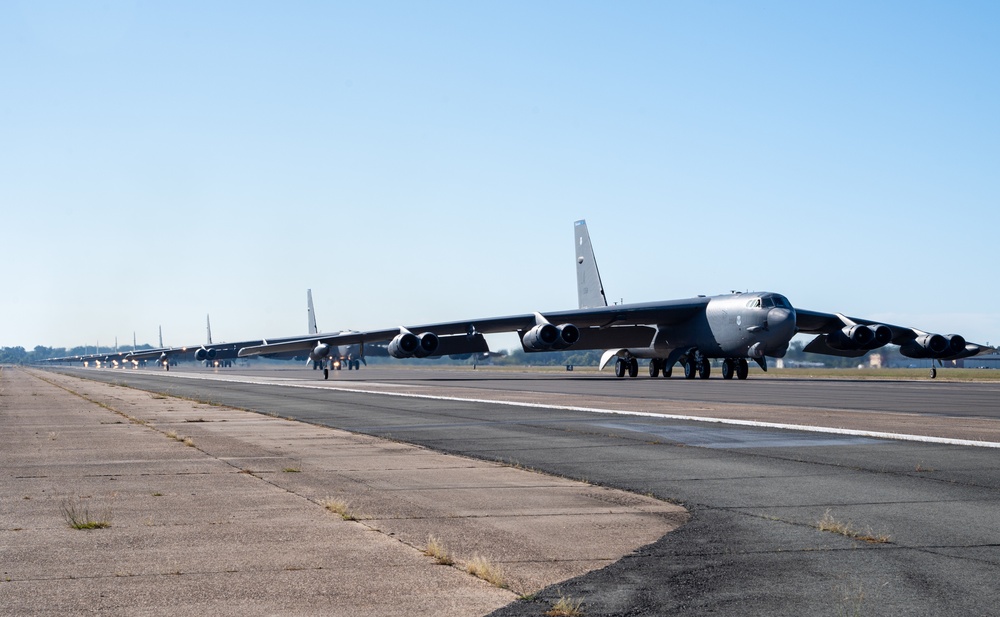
{"type": "Point", "coordinates": [214, 510]}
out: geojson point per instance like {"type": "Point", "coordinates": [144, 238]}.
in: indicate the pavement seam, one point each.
{"type": "Point", "coordinates": [370, 523]}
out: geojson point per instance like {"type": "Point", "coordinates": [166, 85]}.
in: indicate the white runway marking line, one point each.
{"type": "Point", "coordinates": [644, 414]}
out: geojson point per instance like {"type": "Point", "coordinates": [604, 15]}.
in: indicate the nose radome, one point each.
{"type": "Point", "coordinates": [781, 321]}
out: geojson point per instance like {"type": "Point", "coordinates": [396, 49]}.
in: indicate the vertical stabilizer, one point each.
{"type": "Point", "coordinates": [133, 342]}
{"type": "Point", "coordinates": [311, 313]}
{"type": "Point", "coordinates": [588, 279]}
{"type": "Point", "coordinates": [161, 337]}
{"type": "Point", "coordinates": [208, 328]}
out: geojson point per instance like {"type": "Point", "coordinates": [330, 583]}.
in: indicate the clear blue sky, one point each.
{"type": "Point", "coordinates": [424, 161]}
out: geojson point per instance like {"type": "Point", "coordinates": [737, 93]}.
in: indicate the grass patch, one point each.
{"type": "Point", "coordinates": [172, 435]}
{"type": "Point", "coordinates": [189, 442]}
{"type": "Point", "coordinates": [493, 574]}
{"type": "Point", "coordinates": [78, 515]}
{"type": "Point", "coordinates": [437, 550]}
{"type": "Point", "coordinates": [292, 470]}
{"type": "Point", "coordinates": [340, 508]}
{"type": "Point", "coordinates": [832, 525]}
{"type": "Point", "coordinates": [565, 607]}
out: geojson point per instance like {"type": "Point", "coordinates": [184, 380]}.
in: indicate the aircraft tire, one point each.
{"type": "Point", "coordinates": [689, 370]}
{"type": "Point", "coordinates": [619, 368]}
{"type": "Point", "coordinates": [668, 371]}
{"type": "Point", "coordinates": [742, 369]}
{"type": "Point", "coordinates": [654, 368]}
{"type": "Point", "coordinates": [633, 368]}
{"type": "Point", "coordinates": [727, 369]}
{"type": "Point", "coordinates": [704, 368]}
{"type": "Point", "coordinates": [933, 373]}
{"type": "Point", "coordinates": [326, 373]}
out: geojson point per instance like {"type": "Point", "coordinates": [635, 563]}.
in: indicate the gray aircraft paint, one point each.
{"type": "Point", "coordinates": [733, 327]}
{"type": "Point", "coordinates": [311, 313]}
{"type": "Point", "coordinates": [588, 278]}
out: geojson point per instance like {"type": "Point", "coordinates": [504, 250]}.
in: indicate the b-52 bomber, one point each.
{"type": "Point", "coordinates": [221, 354]}
{"type": "Point", "coordinates": [733, 328]}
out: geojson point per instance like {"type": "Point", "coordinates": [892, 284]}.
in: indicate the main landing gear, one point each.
{"type": "Point", "coordinates": [659, 365]}
{"type": "Point", "coordinates": [694, 365]}
{"type": "Point", "coordinates": [626, 365]}
{"type": "Point", "coordinates": [697, 366]}
{"type": "Point", "coordinates": [738, 367]}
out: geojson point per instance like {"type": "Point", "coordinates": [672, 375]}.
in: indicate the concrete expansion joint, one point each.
{"type": "Point", "coordinates": [394, 504]}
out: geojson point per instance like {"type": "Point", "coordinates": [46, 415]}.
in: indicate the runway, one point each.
{"type": "Point", "coordinates": [756, 493]}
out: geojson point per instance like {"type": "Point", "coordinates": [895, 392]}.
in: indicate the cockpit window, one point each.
{"type": "Point", "coordinates": [769, 302]}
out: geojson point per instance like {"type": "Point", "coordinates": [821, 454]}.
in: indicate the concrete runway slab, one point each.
{"type": "Point", "coordinates": [752, 546]}
{"type": "Point", "coordinates": [214, 510]}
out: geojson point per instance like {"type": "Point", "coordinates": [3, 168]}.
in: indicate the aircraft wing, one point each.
{"type": "Point", "coordinates": [219, 348]}
{"type": "Point", "coordinates": [596, 325]}
{"type": "Point", "coordinates": [831, 327]}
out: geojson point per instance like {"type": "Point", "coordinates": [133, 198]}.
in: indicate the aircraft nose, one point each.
{"type": "Point", "coordinates": [781, 323]}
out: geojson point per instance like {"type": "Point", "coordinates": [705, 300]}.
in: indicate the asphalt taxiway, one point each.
{"type": "Point", "coordinates": [919, 522]}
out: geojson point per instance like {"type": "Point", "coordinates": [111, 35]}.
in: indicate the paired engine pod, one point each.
{"type": "Point", "coordinates": [410, 345]}
{"type": "Point", "coordinates": [547, 337]}
{"type": "Point", "coordinates": [320, 351]}
{"type": "Point", "coordinates": [201, 355]}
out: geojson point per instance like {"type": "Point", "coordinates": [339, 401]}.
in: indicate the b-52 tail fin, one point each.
{"type": "Point", "coordinates": [588, 279]}
{"type": "Point", "coordinates": [313, 328]}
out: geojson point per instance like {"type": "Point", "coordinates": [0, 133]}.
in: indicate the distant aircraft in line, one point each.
{"type": "Point", "coordinates": [222, 354]}
{"type": "Point", "coordinates": [733, 328]}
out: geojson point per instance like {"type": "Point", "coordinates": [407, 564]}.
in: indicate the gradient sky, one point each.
{"type": "Point", "coordinates": [413, 162]}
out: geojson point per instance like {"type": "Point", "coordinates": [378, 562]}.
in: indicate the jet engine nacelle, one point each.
{"type": "Point", "coordinates": [410, 345]}
{"type": "Point", "coordinates": [548, 337]}
{"type": "Point", "coordinates": [859, 336]}
{"type": "Point", "coordinates": [933, 346]}
{"type": "Point", "coordinates": [956, 344]}
{"type": "Point", "coordinates": [319, 352]}
{"type": "Point", "coordinates": [203, 354]}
